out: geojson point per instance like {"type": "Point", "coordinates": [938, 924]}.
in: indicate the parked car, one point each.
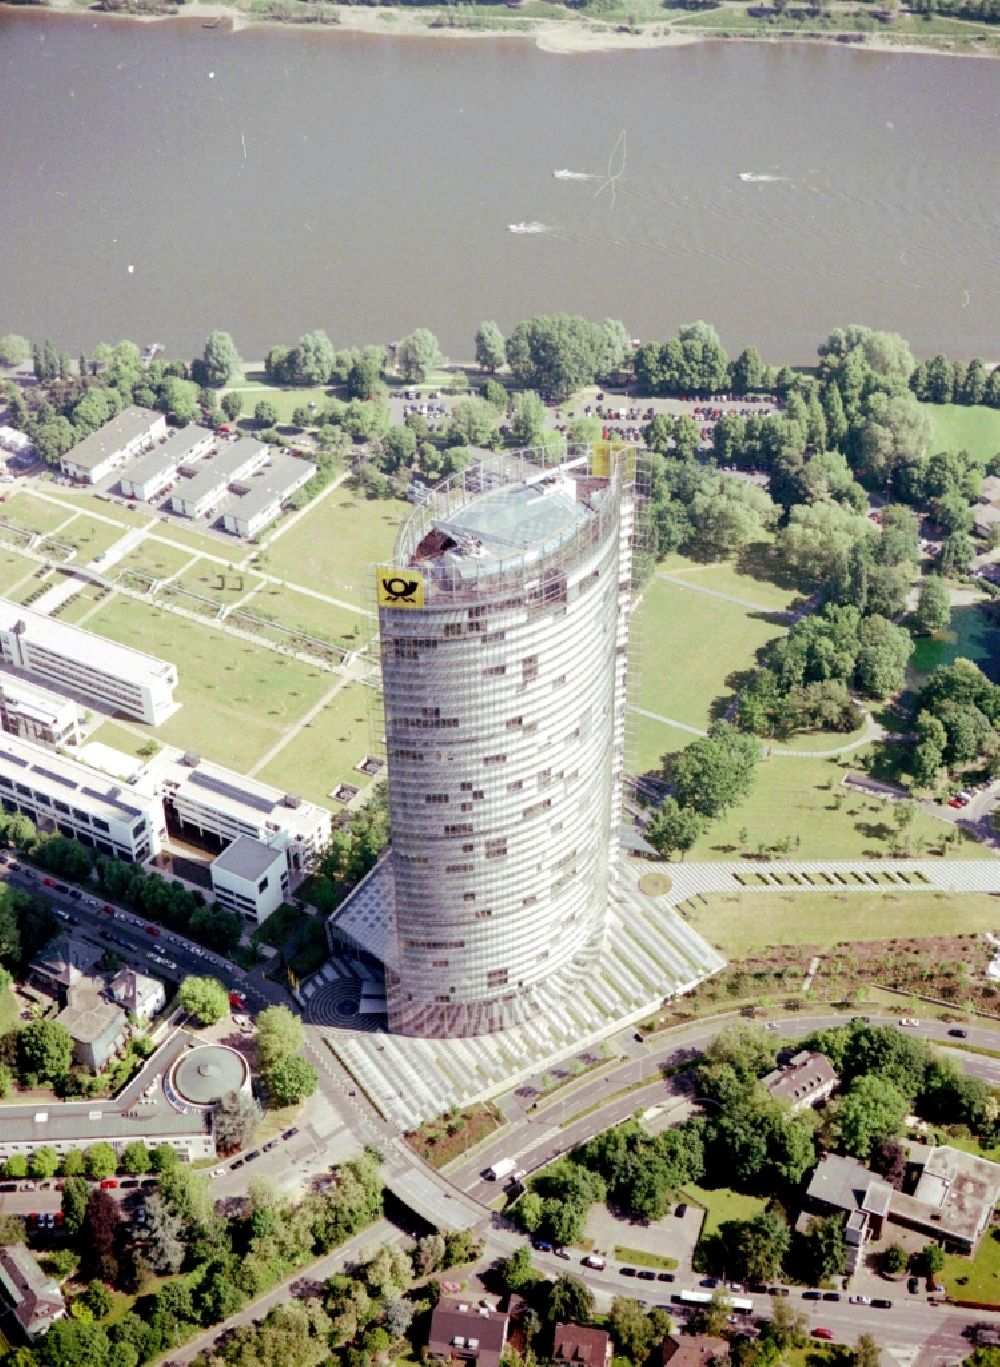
{"type": "Point", "coordinates": [812, 1295]}
{"type": "Point", "coordinates": [860, 1300]}
{"type": "Point", "coordinates": [956, 1033]}
{"type": "Point", "coordinates": [561, 1253]}
{"type": "Point", "coordinates": [626, 1272]}
{"type": "Point", "coordinates": [542, 1245]}
{"type": "Point", "coordinates": [665, 1277]}
{"type": "Point", "coordinates": [880, 1303]}
{"type": "Point", "coordinates": [646, 1274]}
{"type": "Point", "coordinates": [831, 1295]}
{"type": "Point", "coordinates": [681, 1211]}
{"type": "Point", "coordinates": [109, 1183]}
{"type": "Point", "coordinates": [822, 1333]}
{"type": "Point", "coordinates": [913, 1285]}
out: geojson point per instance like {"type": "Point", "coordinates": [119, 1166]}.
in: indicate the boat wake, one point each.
{"type": "Point", "coordinates": [759, 178]}
{"type": "Point", "coordinates": [574, 175]}
{"type": "Point", "coordinates": [533, 227]}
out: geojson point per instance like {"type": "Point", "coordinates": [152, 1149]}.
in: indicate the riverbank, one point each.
{"type": "Point", "coordinates": [570, 33]}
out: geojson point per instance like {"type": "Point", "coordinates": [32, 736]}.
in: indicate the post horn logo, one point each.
{"type": "Point", "coordinates": [404, 590]}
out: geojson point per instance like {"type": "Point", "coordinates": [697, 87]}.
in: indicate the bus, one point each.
{"type": "Point", "coordinates": [741, 1305]}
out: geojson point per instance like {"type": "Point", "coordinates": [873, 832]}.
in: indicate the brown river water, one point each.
{"type": "Point", "coordinates": [272, 181]}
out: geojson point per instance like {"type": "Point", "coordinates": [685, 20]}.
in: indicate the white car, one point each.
{"type": "Point", "coordinates": [217, 1172]}
{"type": "Point", "coordinates": [860, 1300]}
{"type": "Point", "coordinates": [908, 1020]}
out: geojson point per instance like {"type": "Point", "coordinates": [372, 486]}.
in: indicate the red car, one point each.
{"type": "Point", "coordinates": [237, 1001]}
{"type": "Point", "coordinates": [151, 930]}
{"type": "Point", "coordinates": [109, 1183]}
{"type": "Point", "coordinates": [108, 909]}
{"type": "Point", "coordinates": [822, 1333]}
{"type": "Point", "coordinates": [955, 802]}
{"type": "Point", "coordinates": [49, 882]}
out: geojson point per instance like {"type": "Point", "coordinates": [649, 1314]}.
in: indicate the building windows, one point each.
{"type": "Point", "coordinates": [459, 868]}
{"type": "Point", "coordinates": [529, 669]}
{"type": "Point", "coordinates": [514, 723]}
{"type": "Point", "coordinates": [496, 977]}
{"type": "Point", "coordinates": [496, 848]}
{"type": "Point", "coordinates": [468, 896]}
{"type": "Point", "coordinates": [460, 828]}
{"type": "Point", "coordinates": [495, 672]}
{"type": "Point", "coordinates": [494, 759]}
{"type": "Point", "coordinates": [436, 799]}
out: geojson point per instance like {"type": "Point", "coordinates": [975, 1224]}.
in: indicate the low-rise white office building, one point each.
{"type": "Point", "coordinates": [80, 662]}
{"type": "Point", "coordinates": [263, 497]}
{"type": "Point", "coordinates": [235, 460]}
{"type": "Point", "coordinates": [138, 995]}
{"type": "Point", "coordinates": [133, 430]}
{"type": "Point", "coordinates": [62, 794]}
{"type": "Point", "coordinates": [251, 878]}
{"type": "Point", "coordinates": [158, 468]}
{"type": "Point", "coordinates": [224, 805]}
{"type": "Point", "coordinates": [35, 713]}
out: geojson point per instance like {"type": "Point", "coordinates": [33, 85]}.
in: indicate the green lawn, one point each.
{"type": "Point", "coordinates": [221, 585]}
{"type": "Point", "coordinates": [72, 612]}
{"type": "Point", "coordinates": [325, 751]}
{"type": "Point", "coordinates": [724, 577]}
{"type": "Point", "coordinates": [687, 645]}
{"type": "Point", "coordinates": [90, 537]}
{"type": "Point", "coordinates": [8, 1011]}
{"type": "Point", "coordinates": [39, 579]}
{"type": "Point", "coordinates": [80, 501]}
{"type": "Point", "coordinates": [977, 1279]}
{"type": "Point", "coordinates": [313, 616]}
{"type": "Point", "coordinates": [336, 544]}
{"type": "Point", "coordinates": [738, 924]}
{"type": "Point", "coordinates": [153, 560]}
{"type": "Point", "coordinates": [647, 741]}
{"type": "Point", "coordinates": [237, 697]}
{"type": "Point", "coordinates": [284, 400]}
{"type": "Point", "coordinates": [721, 1204]}
{"type": "Point", "coordinates": [183, 534]}
{"type": "Point", "coordinates": [119, 738]}
{"type": "Point", "coordinates": [792, 797]}
{"type": "Point", "coordinates": [37, 513]}
{"type": "Point", "coordinates": [956, 428]}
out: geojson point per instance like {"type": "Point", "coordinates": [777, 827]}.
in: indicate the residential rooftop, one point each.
{"type": "Point", "coordinates": [283, 476]}
{"type": "Point", "coordinates": [248, 858]}
{"type": "Point", "coordinates": [213, 474]}
{"type": "Point", "coordinates": [167, 454]}
{"type": "Point", "coordinates": [805, 1076]}
{"type": "Point", "coordinates": [117, 432]}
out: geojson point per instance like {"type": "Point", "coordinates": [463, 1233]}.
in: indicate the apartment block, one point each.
{"type": "Point", "coordinates": [37, 714]}
{"type": "Point", "coordinates": [83, 663]}
{"type": "Point", "coordinates": [235, 460]}
{"type": "Point", "coordinates": [133, 430]}
{"type": "Point", "coordinates": [158, 468]}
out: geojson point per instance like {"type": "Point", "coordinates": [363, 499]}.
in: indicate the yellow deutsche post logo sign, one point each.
{"type": "Point", "coordinates": [399, 588]}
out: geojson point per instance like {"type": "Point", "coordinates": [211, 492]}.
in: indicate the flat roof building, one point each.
{"type": "Point", "coordinates": [32, 1297]}
{"type": "Point", "coordinates": [251, 878]}
{"type": "Point", "coordinates": [158, 468]}
{"type": "Point", "coordinates": [805, 1080]}
{"type": "Point", "coordinates": [131, 431]}
{"type": "Point", "coordinates": [263, 497]}
{"type": "Point", "coordinates": [67, 796]}
{"type": "Point", "coordinates": [80, 662]}
{"type": "Point", "coordinates": [223, 805]}
{"type": "Point", "coordinates": [503, 623]}
{"type": "Point", "coordinates": [235, 459]}
{"type": "Point", "coordinates": [35, 713]}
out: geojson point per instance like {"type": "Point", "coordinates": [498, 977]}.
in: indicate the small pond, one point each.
{"type": "Point", "coordinates": [972, 635]}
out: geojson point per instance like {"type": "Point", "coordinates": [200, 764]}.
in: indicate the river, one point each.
{"type": "Point", "coordinates": [160, 179]}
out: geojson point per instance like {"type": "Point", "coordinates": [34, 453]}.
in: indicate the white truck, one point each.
{"type": "Point", "coordinates": [595, 1261]}
{"type": "Point", "coordinates": [502, 1168]}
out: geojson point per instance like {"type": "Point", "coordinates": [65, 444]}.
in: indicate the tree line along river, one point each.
{"type": "Point", "coordinates": [161, 179]}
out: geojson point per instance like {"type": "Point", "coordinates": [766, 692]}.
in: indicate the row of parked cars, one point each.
{"type": "Point", "coordinates": [255, 1153]}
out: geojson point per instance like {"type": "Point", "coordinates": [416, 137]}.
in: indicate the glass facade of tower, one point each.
{"type": "Point", "coordinates": [503, 627]}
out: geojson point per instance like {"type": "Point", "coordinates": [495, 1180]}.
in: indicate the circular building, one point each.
{"type": "Point", "coordinates": [204, 1075]}
{"type": "Point", "coordinates": [503, 625]}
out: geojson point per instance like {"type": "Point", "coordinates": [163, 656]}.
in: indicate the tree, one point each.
{"type": "Point", "coordinates": [528, 418]}
{"type": "Point", "coordinates": [615, 350]}
{"type": "Point", "coordinates": [716, 771]}
{"type": "Point", "coordinates": [364, 378]}
{"type": "Point", "coordinates": [570, 1301]}
{"type": "Point", "coordinates": [14, 350]}
{"type": "Point", "coordinates": [206, 999]}
{"type": "Point", "coordinates": [933, 611]}
{"type": "Point", "coordinates": [872, 1110]}
{"type": "Point", "coordinates": [98, 1300]}
{"type": "Point", "coordinates": [490, 347]}
{"type": "Point", "coordinates": [825, 1248]}
{"type": "Point", "coordinates": [46, 1050]}
{"type": "Point", "coordinates": [397, 1317]}
{"type": "Point", "coordinates": [221, 359]}
{"type": "Point", "coordinates": [265, 413]}
{"type": "Point", "coordinates": [749, 372]}
{"type": "Point", "coordinates": [279, 1034]}
{"type": "Point", "coordinates": [894, 1260]}
{"type": "Point", "coordinates": [631, 1328]}
{"type": "Point", "coordinates": [474, 422]}
{"type": "Point", "coordinates": [895, 430]}
{"type": "Point", "coordinates": [102, 1161]}
{"type": "Point", "coordinates": [232, 405]}
{"type": "Point", "coordinates": [135, 1158]}
{"type": "Point", "coordinates": [165, 1246]}
{"type": "Point", "coordinates": [754, 1250]}
{"type": "Point", "coordinates": [867, 1352]}
{"type": "Point", "coordinates": [73, 1203]}
{"type": "Point", "coordinates": [932, 1259]}
{"type": "Point", "coordinates": [179, 399]}
{"type": "Point", "coordinates": [312, 360]}
{"type": "Point", "coordinates": [819, 538]}
{"type": "Point", "coordinates": [556, 353]}
{"type": "Point", "coordinates": [99, 1236]}
{"type": "Point", "coordinates": [417, 354]}
{"type": "Point", "coordinates": [53, 439]}
{"type": "Point", "coordinates": [290, 1080]}
{"type": "Point", "coordinates": [237, 1115]}
{"type": "Point", "coordinates": [44, 1162]}
{"type": "Point", "coordinates": [70, 1343]}
{"type": "Point", "coordinates": [516, 1272]}
{"type": "Point", "coordinates": [674, 827]}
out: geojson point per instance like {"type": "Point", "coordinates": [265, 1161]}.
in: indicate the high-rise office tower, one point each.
{"type": "Point", "coordinates": [503, 622]}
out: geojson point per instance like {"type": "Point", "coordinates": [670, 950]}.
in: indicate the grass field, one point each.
{"type": "Point", "coordinates": [688, 646]}
{"type": "Point", "coordinates": [12, 568]}
{"type": "Point", "coordinates": [222, 586]}
{"type": "Point", "coordinates": [741, 923]}
{"type": "Point", "coordinates": [313, 616]}
{"type": "Point", "coordinates": [37, 513]}
{"type": "Point", "coordinates": [724, 577]}
{"type": "Point", "coordinates": [284, 400]}
{"type": "Point", "coordinates": [237, 698]}
{"type": "Point", "coordinates": [120, 738]}
{"type": "Point", "coordinates": [649, 740]}
{"type": "Point", "coordinates": [183, 534]}
{"type": "Point", "coordinates": [90, 537]}
{"type": "Point", "coordinates": [957, 428]}
{"type": "Point", "coordinates": [73, 611]}
{"type": "Point", "coordinates": [153, 559]}
{"type": "Point", "coordinates": [977, 1279]}
{"type": "Point", "coordinates": [721, 1204]}
{"type": "Point", "coordinates": [334, 547]}
{"type": "Point", "coordinates": [8, 1011]}
{"type": "Point", "coordinates": [325, 751]}
{"type": "Point", "coordinates": [792, 797]}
